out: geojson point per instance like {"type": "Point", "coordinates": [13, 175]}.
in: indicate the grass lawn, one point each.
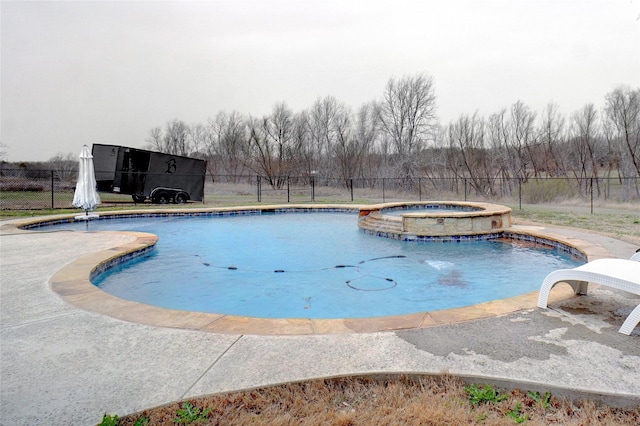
{"type": "Point", "coordinates": [622, 222]}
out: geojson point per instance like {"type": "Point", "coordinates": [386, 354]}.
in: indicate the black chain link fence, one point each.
{"type": "Point", "coordinates": [47, 189]}
{"type": "Point", "coordinates": [34, 189]}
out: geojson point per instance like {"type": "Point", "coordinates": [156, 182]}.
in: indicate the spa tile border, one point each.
{"type": "Point", "coordinates": [435, 239]}
{"type": "Point", "coordinates": [547, 241]}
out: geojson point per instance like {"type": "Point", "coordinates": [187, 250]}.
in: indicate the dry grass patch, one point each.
{"type": "Point", "coordinates": [618, 221]}
{"type": "Point", "coordinates": [384, 400]}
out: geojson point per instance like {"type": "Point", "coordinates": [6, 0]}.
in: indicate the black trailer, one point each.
{"type": "Point", "coordinates": [143, 174]}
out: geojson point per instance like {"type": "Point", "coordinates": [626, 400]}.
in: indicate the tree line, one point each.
{"type": "Point", "coordinates": [398, 136]}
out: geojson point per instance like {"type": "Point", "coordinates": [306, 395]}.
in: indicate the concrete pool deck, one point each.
{"type": "Point", "coordinates": [64, 365]}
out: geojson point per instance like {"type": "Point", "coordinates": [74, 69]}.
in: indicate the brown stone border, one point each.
{"type": "Point", "coordinates": [435, 222]}
{"type": "Point", "coordinates": [73, 284]}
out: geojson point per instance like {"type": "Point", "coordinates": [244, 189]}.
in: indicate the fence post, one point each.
{"type": "Point", "coordinates": [52, 197]}
{"type": "Point", "coordinates": [204, 179]}
{"type": "Point", "coordinates": [383, 194]}
{"type": "Point", "coordinates": [351, 187]}
{"type": "Point", "coordinates": [520, 193]}
{"type": "Point", "coordinates": [258, 183]}
{"type": "Point", "coordinates": [288, 190]}
{"type": "Point", "coordinates": [591, 190]}
{"type": "Point", "coordinates": [465, 189]}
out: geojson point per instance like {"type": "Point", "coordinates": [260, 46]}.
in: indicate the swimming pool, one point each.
{"type": "Point", "coordinates": [315, 265]}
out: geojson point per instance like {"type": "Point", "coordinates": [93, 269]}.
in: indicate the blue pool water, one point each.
{"type": "Point", "coordinates": [315, 265]}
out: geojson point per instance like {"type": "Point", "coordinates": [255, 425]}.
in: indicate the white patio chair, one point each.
{"type": "Point", "coordinates": [622, 274]}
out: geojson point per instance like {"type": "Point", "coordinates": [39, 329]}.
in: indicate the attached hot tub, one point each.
{"type": "Point", "coordinates": [435, 220]}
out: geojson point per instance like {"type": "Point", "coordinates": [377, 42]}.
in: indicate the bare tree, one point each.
{"type": "Point", "coordinates": [175, 139]}
{"type": "Point", "coordinates": [499, 133]}
{"type": "Point", "coordinates": [436, 163]}
{"type": "Point", "coordinates": [522, 138]}
{"type": "Point", "coordinates": [321, 120]}
{"type": "Point", "coordinates": [302, 149]}
{"type": "Point", "coordinates": [225, 139]}
{"type": "Point", "coordinates": [551, 135]}
{"type": "Point", "coordinates": [408, 112]}
{"type": "Point", "coordinates": [155, 139]}
{"type": "Point", "coordinates": [348, 150]}
{"type": "Point", "coordinates": [365, 137]}
{"type": "Point", "coordinates": [269, 147]}
{"type": "Point", "coordinates": [257, 153]}
{"type": "Point", "coordinates": [279, 130]}
{"type": "Point", "coordinates": [623, 111]}
{"type": "Point", "coordinates": [64, 166]}
{"type": "Point", "coordinates": [614, 160]}
{"type": "Point", "coordinates": [585, 139]}
{"type": "Point", "coordinates": [469, 154]}
{"type": "Point", "coordinates": [197, 140]}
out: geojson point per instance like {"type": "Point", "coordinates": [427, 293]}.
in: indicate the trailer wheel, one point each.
{"type": "Point", "coordinates": [181, 197]}
{"type": "Point", "coordinates": [161, 197]}
{"type": "Point", "coordinates": [138, 198]}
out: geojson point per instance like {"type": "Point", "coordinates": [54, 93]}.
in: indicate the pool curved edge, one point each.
{"type": "Point", "coordinates": [73, 284]}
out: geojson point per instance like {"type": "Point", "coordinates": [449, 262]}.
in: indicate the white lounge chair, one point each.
{"type": "Point", "coordinates": [617, 273]}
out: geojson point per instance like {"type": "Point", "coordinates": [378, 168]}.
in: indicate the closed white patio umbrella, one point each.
{"type": "Point", "coordinates": [86, 197]}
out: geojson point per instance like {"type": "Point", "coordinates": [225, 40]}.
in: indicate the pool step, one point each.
{"type": "Point", "coordinates": [375, 223]}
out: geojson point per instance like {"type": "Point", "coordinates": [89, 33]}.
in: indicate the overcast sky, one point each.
{"type": "Point", "coordinates": [77, 73]}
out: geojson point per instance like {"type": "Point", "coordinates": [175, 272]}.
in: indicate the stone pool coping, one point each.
{"type": "Point", "coordinates": [471, 208]}
{"type": "Point", "coordinates": [73, 284]}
